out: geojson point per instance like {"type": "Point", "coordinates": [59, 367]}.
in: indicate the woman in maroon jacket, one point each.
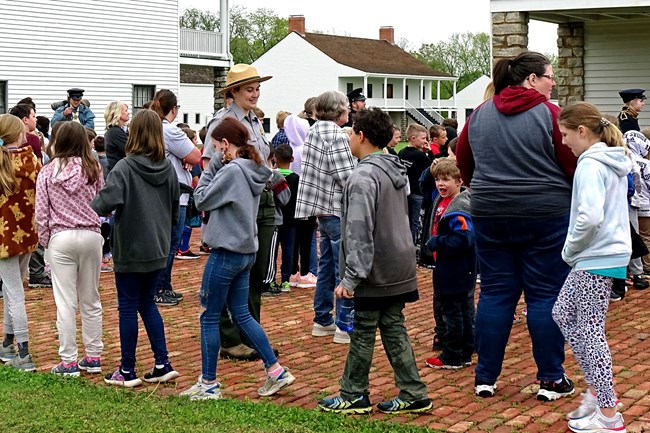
{"type": "Point", "coordinates": [511, 155]}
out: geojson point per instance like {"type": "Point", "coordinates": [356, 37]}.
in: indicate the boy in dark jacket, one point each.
{"type": "Point", "coordinates": [454, 279]}
{"type": "Point", "coordinates": [377, 263]}
{"type": "Point", "coordinates": [287, 230]}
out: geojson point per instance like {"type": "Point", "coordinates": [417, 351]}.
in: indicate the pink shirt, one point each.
{"type": "Point", "coordinates": [63, 199]}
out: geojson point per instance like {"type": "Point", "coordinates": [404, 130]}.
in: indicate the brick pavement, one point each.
{"type": "Point", "coordinates": [317, 363]}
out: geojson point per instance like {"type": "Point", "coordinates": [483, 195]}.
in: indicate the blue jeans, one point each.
{"type": "Point", "coordinates": [225, 282]}
{"type": "Point", "coordinates": [135, 291]}
{"type": "Point", "coordinates": [165, 279]}
{"type": "Point", "coordinates": [313, 256]}
{"type": "Point", "coordinates": [328, 273]}
{"type": "Point", "coordinates": [287, 237]}
{"type": "Point", "coordinates": [415, 205]}
{"type": "Point", "coordinates": [515, 255]}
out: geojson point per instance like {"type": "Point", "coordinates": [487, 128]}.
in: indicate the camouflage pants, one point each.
{"type": "Point", "coordinates": [397, 345]}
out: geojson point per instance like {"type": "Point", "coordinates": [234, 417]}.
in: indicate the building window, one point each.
{"type": "Point", "coordinates": [141, 95]}
{"type": "Point", "coordinates": [186, 118]}
{"type": "Point", "coordinates": [369, 92]}
{"type": "Point", "coordinates": [197, 118]}
{"type": "Point", "coordinates": [468, 112]}
{"type": "Point", "coordinates": [349, 87]}
{"type": "Point", "coordinates": [3, 97]}
{"type": "Point", "coordinates": [406, 95]}
{"type": "Point", "coordinates": [389, 91]}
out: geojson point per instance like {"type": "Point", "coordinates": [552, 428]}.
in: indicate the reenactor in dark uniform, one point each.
{"type": "Point", "coordinates": [357, 103]}
{"type": "Point", "coordinates": [634, 100]}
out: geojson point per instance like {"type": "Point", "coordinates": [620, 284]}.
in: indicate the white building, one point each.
{"type": "Point", "coordinates": [114, 50]}
{"type": "Point", "coordinates": [307, 64]}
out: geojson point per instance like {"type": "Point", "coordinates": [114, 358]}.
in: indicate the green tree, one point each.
{"type": "Point", "coordinates": [199, 20]}
{"type": "Point", "coordinates": [464, 55]}
{"type": "Point", "coordinates": [251, 33]}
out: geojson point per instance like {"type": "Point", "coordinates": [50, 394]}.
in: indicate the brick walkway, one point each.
{"type": "Point", "coordinates": [317, 363]}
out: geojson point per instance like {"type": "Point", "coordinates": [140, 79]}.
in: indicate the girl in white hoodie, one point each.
{"type": "Point", "coordinates": [598, 250]}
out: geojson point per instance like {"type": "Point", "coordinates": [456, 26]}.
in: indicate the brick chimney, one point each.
{"type": "Point", "coordinates": [386, 33]}
{"type": "Point", "coordinates": [297, 24]}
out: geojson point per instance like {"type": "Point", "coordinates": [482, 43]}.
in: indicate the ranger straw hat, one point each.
{"type": "Point", "coordinates": [241, 74]}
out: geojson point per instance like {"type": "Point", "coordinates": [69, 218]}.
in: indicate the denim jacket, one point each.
{"type": "Point", "coordinates": [86, 116]}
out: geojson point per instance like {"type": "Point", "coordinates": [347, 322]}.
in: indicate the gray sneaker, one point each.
{"type": "Point", "coordinates": [275, 384]}
{"type": "Point", "coordinates": [203, 391]}
{"type": "Point", "coordinates": [7, 353]}
{"type": "Point", "coordinates": [23, 363]}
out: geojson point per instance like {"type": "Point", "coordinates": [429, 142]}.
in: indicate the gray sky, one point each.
{"type": "Point", "coordinates": [415, 20]}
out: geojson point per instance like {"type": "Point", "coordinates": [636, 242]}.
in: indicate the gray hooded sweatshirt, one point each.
{"type": "Point", "coordinates": [144, 194]}
{"type": "Point", "coordinates": [231, 193]}
{"type": "Point", "coordinates": [377, 256]}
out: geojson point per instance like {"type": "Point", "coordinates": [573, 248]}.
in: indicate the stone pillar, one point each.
{"type": "Point", "coordinates": [509, 34]}
{"type": "Point", "coordinates": [219, 83]}
{"type": "Point", "coordinates": [570, 71]}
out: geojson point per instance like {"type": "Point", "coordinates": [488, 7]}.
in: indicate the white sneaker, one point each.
{"type": "Point", "coordinates": [341, 337]}
{"type": "Point", "coordinates": [323, 331]}
{"type": "Point", "coordinates": [293, 279]}
{"type": "Point", "coordinates": [203, 391]}
{"type": "Point", "coordinates": [597, 423]}
{"type": "Point", "coordinates": [485, 390]}
{"type": "Point", "coordinates": [275, 384]}
{"type": "Point", "coordinates": [588, 406]}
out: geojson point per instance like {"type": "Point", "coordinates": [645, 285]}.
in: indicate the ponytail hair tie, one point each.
{"type": "Point", "coordinates": [2, 142]}
{"type": "Point", "coordinates": [604, 122]}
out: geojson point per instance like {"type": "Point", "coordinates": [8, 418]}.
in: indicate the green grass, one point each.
{"type": "Point", "coordinates": [401, 145]}
{"type": "Point", "coordinates": [47, 403]}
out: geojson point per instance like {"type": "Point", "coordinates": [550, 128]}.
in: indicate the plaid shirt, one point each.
{"type": "Point", "coordinates": [280, 138]}
{"type": "Point", "coordinates": [326, 165]}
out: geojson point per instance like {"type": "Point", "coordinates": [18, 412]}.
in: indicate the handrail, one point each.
{"type": "Point", "coordinates": [417, 115]}
{"type": "Point", "coordinates": [431, 110]}
{"type": "Point", "coordinates": [201, 43]}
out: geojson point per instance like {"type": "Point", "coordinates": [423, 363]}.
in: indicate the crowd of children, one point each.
{"type": "Point", "coordinates": [252, 201]}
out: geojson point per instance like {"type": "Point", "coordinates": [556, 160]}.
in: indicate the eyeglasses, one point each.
{"type": "Point", "coordinates": [550, 77]}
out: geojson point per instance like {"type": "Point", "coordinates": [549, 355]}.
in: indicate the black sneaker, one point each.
{"type": "Point", "coordinates": [163, 300]}
{"type": "Point", "coordinates": [358, 406]}
{"type": "Point", "coordinates": [186, 255]}
{"type": "Point", "coordinates": [397, 405]}
{"type": "Point", "coordinates": [173, 294]}
{"type": "Point", "coordinates": [639, 283]}
{"type": "Point", "coordinates": [160, 375]}
{"type": "Point", "coordinates": [484, 389]}
{"type": "Point", "coordinates": [549, 390]}
{"type": "Point", "coordinates": [40, 282]}
{"type": "Point", "coordinates": [272, 291]}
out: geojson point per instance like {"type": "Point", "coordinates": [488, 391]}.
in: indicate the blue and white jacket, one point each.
{"type": "Point", "coordinates": [599, 226]}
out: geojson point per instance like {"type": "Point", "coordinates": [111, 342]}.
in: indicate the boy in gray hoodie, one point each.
{"type": "Point", "coordinates": [377, 263]}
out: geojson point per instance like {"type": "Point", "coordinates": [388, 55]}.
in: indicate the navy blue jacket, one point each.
{"type": "Point", "coordinates": [454, 246]}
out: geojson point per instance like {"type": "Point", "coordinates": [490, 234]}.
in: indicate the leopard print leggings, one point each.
{"type": "Point", "coordinates": [580, 312]}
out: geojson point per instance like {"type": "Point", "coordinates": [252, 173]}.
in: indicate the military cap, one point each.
{"type": "Point", "coordinates": [356, 95]}
{"type": "Point", "coordinates": [75, 93]}
{"type": "Point", "coordinates": [630, 94]}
